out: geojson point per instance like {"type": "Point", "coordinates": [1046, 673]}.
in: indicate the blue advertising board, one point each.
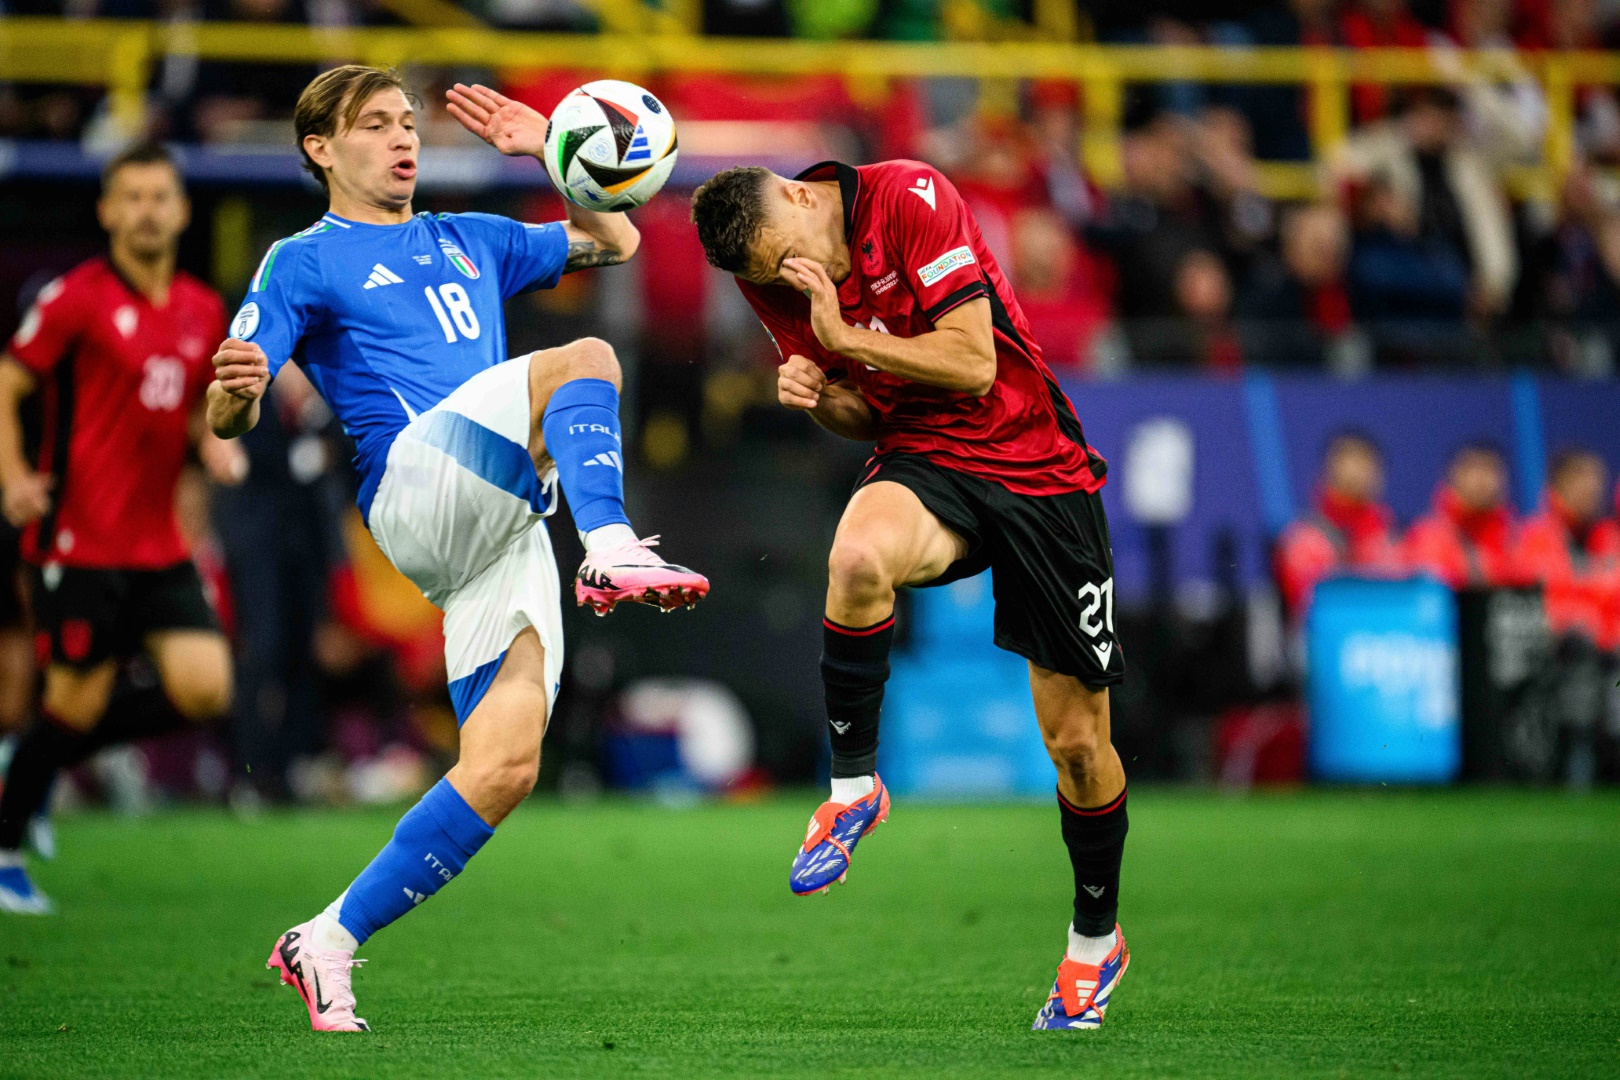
{"type": "Point", "coordinates": [1382, 682]}
{"type": "Point", "coordinates": [958, 721]}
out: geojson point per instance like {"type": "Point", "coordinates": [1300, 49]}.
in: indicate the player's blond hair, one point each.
{"type": "Point", "coordinates": [338, 96]}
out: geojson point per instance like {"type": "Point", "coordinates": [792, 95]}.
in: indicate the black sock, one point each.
{"type": "Point", "coordinates": [34, 765]}
{"type": "Point", "coordinates": [854, 667]}
{"type": "Point", "coordinates": [1096, 841]}
{"type": "Point", "coordinates": [133, 714]}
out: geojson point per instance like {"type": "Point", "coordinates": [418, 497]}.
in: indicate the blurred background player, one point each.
{"type": "Point", "coordinates": [397, 320]}
{"type": "Point", "coordinates": [980, 463]}
{"type": "Point", "coordinates": [1349, 528]}
{"type": "Point", "coordinates": [1467, 538]}
{"type": "Point", "coordinates": [118, 347]}
{"type": "Point", "coordinates": [1573, 548]}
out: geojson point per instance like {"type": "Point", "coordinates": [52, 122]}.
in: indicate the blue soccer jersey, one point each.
{"type": "Point", "coordinates": [388, 320]}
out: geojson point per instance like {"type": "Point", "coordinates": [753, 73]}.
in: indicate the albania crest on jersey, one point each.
{"type": "Point", "coordinates": [871, 255]}
{"type": "Point", "coordinates": [458, 259]}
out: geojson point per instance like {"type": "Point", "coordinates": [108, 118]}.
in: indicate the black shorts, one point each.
{"type": "Point", "coordinates": [13, 616]}
{"type": "Point", "coordinates": [1052, 563]}
{"type": "Point", "coordinates": [86, 616]}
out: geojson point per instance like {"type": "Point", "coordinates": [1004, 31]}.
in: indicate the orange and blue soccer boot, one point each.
{"type": "Point", "coordinates": [835, 829]}
{"type": "Point", "coordinates": [1080, 995]}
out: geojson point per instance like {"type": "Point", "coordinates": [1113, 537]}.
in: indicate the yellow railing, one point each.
{"type": "Point", "coordinates": [120, 55]}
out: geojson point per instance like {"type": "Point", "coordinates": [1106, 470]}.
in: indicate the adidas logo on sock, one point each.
{"type": "Point", "coordinates": [416, 897]}
{"type": "Point", "coordinates": [380, 276]}
{"type": "Point", "coordinates": [607, 457]}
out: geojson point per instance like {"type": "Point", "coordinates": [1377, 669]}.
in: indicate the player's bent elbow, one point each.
{"type": "Point", "coordinates": [984, 378]}
{"type": "Point", "coordinates": [629, 243]}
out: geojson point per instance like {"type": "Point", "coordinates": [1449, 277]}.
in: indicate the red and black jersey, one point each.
{"type": "Point", "coordinates": [917, 254]}
{"type": "Point", "coordinates": [119, 378]}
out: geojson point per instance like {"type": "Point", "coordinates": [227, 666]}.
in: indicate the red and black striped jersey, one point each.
{"type": "Point", "coordinates": [916, 254]}
{"type": "Point", "coordinates": [119, 379]}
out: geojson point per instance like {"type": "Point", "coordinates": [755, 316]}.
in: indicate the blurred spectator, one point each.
{"type": "Point", "coordinates": [1411, 290]}
{"type": "Point", "coordinates": [1279, 116]}
{"type": "Point", "coordinates": [1503, 104]}
{"type": "Point", "coordinates": [1226, 174]}
{"type": "Point", "coordinates": [1577, 24]}
{"type": "Point", "coordinates": [998, 178]}
{"type": "Point", "coordinates": [1189, 217]}
{"type": "Point", "coordinates": [1574, 276]}
{"type": "Point", "coordinates": [1295, 309]}
{"type": "Point", "coordinates": [1055, 288]}
{"type": "Point", "coordinates": [1377, 24]}
{"type": "Point", "coordinates": [1055, 134]}
{"type": "Point", "coordinates": [1466, 539]}
{"type": "Point", "coordinates": [1573, 550]}
{"type": "Point", "coordinates": [232, 98]}
{"type": "Point", "coordinates": [1429, 210]}
{"type": "Point", "coordinates": [1348, 528]}
{"type": "Point", "coordinates": [1204, 335]}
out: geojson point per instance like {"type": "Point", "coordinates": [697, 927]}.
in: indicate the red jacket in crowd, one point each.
{"type": "Point", "coordinates": [1579, 569]}
{"type": "Point", "coordinates": [1462, 546]}
{"type": "Point", "coordinates": [1341, 534]}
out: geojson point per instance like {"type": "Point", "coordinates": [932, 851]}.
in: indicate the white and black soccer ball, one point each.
{"type": "Point", "coordinates": [610, 145]}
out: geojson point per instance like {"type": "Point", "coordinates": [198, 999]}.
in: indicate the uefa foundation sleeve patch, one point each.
{"type": "Point", "coordinates": [954, 259]}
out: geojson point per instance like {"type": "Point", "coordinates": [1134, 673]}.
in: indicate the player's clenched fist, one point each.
{"type": "Point", "coordinates": [27, 498]}
{"type": "Point", "coordinates": [799, 383]}
{"type": "Point", "coordinates": [241, 369]}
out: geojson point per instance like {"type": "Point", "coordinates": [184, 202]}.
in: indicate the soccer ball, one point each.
{"type": "Point", "coordinates": [610, 145]}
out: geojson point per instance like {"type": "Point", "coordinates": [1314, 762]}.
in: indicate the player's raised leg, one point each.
{"type": "Point", "coordinates": [574, 393]}
{"type": "Point", "coordinates": [885, 539]}
{"type": "Point", "coordinates": [500, 759]}
{"type": "Point", "coordinates": [1074, 720]}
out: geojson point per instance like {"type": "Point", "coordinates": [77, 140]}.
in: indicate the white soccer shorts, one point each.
{"type": "Point", "coordinates": [460, 511]}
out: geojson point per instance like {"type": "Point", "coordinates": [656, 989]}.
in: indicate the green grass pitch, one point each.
{"type": "Point", "coordinates": [1470, 934]}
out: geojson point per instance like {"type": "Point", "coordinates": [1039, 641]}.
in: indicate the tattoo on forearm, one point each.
{"type": "Point", "coordinates": [584, 254]}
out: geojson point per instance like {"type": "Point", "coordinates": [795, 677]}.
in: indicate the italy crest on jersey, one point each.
{"type": "Point", "coordinates": [458, 259]}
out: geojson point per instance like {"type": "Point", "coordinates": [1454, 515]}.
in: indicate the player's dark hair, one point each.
{"type": "Point", "coordinates": [141, 153]}
{"type": "Point", "coordinates": [1569, 458]}
{"type": "Point", "coordinates": [335, 99]}
{"type": "Point", "coordinates": [729, 211]}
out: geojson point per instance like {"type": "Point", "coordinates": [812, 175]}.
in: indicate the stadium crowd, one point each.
{"type": "Point", "coordinates": [1418, 257]}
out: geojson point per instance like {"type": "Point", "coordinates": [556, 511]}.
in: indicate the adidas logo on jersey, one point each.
{"type": "Point", "coordinates": [381, 275]}
{"type": "Point", "coordinates": [608, 457]}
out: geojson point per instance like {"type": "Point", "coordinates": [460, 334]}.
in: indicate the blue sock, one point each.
{"type": "Point", "coordinates": [581, 428]}
{"type": "Point", "coordinates": [431, 844]}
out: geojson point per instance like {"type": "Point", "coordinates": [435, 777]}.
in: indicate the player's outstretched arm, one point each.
{"type": "Point", "coordinates": [241, 376]}
{"type": "Point", "coordinates": [958, 354]}
{"type": "Point", "coordinates": [513, 128]}
{"type": "Point", "coordinates": [843, 411]}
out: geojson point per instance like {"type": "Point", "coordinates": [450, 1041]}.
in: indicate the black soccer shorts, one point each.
{"type": "Point", "coordinates": [1052, 565]}
{"type": "Point", "coordinates": [84, 616]}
